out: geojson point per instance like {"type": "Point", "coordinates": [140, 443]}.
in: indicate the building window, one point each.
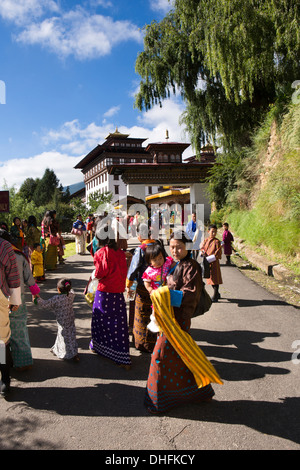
{"type": "Point", "coordinates": [116, 177]}
{"type": "Point", "coordinates": [149, 189]}
{"type": "Point", "coordinates": [116, 189]}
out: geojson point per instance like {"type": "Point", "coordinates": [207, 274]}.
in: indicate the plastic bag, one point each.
{"type": "Point", "coordinates": [90, 291]}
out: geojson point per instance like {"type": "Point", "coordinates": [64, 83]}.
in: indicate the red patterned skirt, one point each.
{"type": "Point", "coordinates": [170, 383]}
{"type": "Point", "coordinates": [144, 339]}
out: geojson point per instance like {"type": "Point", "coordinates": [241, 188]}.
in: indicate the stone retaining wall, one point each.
{"type": "Point", "coordinates": [278, 271]}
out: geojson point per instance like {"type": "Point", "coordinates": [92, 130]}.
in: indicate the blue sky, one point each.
{"type": "Point", "coordinates": [69, 73]}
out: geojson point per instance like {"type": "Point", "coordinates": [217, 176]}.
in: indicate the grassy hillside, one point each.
{"type": "Point", "coordinates": [264, 209]}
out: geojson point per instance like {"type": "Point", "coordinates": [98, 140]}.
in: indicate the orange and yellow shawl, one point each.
{"type": "Point", "coordinates": [190, 353]}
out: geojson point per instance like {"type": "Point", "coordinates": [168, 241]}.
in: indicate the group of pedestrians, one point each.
{"type": "Point", "coordinates": [30, 252]}
{"type": "Point", "coordinates": [172, 378]}
{"type": "Point", "coordinates": [170, 283]}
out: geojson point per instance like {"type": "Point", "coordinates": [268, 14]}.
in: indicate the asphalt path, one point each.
{"type": "Point", "coordinates": [250, 336]}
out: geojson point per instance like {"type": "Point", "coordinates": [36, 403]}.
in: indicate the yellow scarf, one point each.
{"type": "Point", "coordinates": [190, 353]}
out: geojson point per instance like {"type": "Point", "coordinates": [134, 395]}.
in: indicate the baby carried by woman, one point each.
{"type": "Point", "coordinates": [159, 266]}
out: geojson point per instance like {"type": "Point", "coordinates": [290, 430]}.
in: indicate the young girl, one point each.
{"type": "Point", "coordinates": [65, 346]}
{"type": "Point", "coordinates": [212, 246]}
{"type": "Point", "coordinates": [37, 262]}
{"type": "Point", "coordinates": [156, 273]}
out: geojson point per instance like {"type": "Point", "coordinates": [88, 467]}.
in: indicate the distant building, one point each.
{"type": "Point", "coordinates": [124, 167]}
{"type": "Point", "coordinates": [118, 149]}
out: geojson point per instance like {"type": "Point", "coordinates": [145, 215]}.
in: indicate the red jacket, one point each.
{"type": "Point", "coordinates": [110, 269]}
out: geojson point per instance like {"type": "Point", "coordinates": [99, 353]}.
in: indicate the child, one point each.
{"type": "Point", "coordinates": [227, 239]}
{"type": "Point", "coordinates": [65, 346]}
{"type": "Point", "coordinates": [212, 246]}
{"type": "Point", "coordinates": [37, 262]}
{"type": "Point", "coordinates": [159, 266]}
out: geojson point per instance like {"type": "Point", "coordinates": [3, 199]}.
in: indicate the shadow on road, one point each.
{"type": "Point", "coordinates": [95, 387]}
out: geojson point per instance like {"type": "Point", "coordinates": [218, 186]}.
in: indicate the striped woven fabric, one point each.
{"type": "Point", "coordinates": [190, 353]}
{"type": "Point", "coordinates": [9, 273]}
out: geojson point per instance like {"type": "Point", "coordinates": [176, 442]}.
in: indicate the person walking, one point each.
{"type": "Point", "coordinates": [19, 340]}
{"type": "Point", "coordinates": [211, 247]}
{"type": "Point", "coordinates": [227, 238]}
{"type": "Point", "coordinates": [144, 339]}
{"type": "Point", "coordinates": [79, 230]}
{"type": "Point", "coordinates": [32, 235]}
{"type": "Point", "coordinates": [170, 381]}
{"type": "Point", "coordinates": [17, 234]}
{"type": "Point", "coordinates": [10, 299]}
{"type": "Point", "coordinates": [194, 233]}
{"type": "Point", "coordinates": [110, 337]}
{"type": "Point", "coordinates": [51, 238]}
{"type": "Point", "coordinates": [65, 346]}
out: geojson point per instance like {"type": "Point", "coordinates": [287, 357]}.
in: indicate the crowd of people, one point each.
{"type": "Point", "coordinates": [146, 276]}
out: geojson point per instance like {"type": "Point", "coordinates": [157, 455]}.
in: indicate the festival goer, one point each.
{"type": "Point", "coordinates": [170, 382]}
{"type": "Point", "coordinates": [19, 340]}
{"type": "Point", "coordinates": [65, 346]}
{"type": "Point", "coordinates": [60, 241]}
{"type": "Point", "coordinates": [227, 238]}
{"type": "Point", "coordinates": [79, 230]}
{"type": "Point", "coordinates": [110, 336]}
{"type": "Point", "coordinates": [194, 233]}
{"type": "Point", "coordinates": [10, 299]}
{"type": "Point", "coordinates": [89, 228]}
{"type": "Point", "coordinates": [16, 233]}
{"type": "Point", "coordinates": [144, 339]}
{"type": "Point", "coordinates": [24, 228]}
{"type": "Point", "coordinates": [212, 246]}
{"type": "Point", "coordinates": [159, 266]}
{"type": "Point", "coordinates": [49, 230]}
{"type": "Point", "coordinates": [32, 235]}
{"type": "Point", "coordinates": [37, 263]}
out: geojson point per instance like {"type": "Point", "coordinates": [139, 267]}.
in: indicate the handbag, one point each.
{"type": "Point", "coordinates": [54, 240]}
{"type": "Point", "coordinates": [204, 303]}
{"type": "Point", "coordinates": [76, 231]}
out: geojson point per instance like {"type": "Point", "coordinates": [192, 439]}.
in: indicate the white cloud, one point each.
{"type": "Point", "coordinates": [20, 11]}
{"type": "Point", "coordinates": [112, 111]}
{"type": "Point", "coordinates": [101, 3]}
{"type": "Point", "coordinates": [79, 33]}
{"type": "Point", "coordinates": [67, 145]}
{"type": "Point", "coordinates": [14, 172]}
{"type": "Point", "coordinates": [161, 5]}
{"type": "Point", "coordinates": [74, 139]}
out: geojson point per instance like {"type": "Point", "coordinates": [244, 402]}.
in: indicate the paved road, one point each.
{"type": "Point", "coordinates": [248, 336]}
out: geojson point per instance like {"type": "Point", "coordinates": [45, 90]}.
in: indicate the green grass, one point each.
{"type": "Point", "coordinates": [70, 249]}
{"type": "Point", "coordinates": [272, 236]}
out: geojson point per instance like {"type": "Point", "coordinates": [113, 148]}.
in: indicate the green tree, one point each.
{"type": "Point", "coordinates": [27, 188]}
{"type": "Point", "coordinates": [98, 201]}
{"type": "Point", "coordinates": [45, 188]}
{"type": "Point", "coordinates": [21, 207]}
{"type": "Point", "coordinates": [229, 60]}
